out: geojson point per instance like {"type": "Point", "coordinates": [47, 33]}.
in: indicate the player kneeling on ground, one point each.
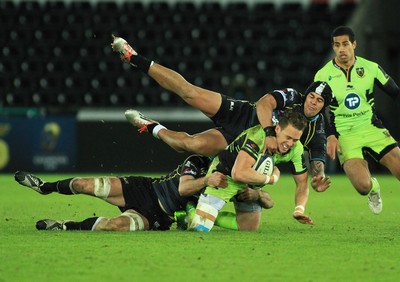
{"type": "Point", "coordinates": [238, 162]}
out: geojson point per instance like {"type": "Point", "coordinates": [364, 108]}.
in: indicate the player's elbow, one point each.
{"type": "Point", "coordinates": [183, 192]}
{"type": "Point", "coordinates": [239, 176]}
{"type": "Point", "coordinates": [269, 204]}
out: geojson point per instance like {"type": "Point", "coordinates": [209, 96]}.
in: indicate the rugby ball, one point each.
{"type": "Point", "coordinates": [264, 164]}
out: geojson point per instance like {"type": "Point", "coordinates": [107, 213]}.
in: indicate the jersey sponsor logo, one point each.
{"type": "Point", "coordinates": [360, 72]}
{"type": "Point", "coordinates": [352, 101]}
{"type": "Point", "coordinates": [188, 163]}
{"type": "Point", "coordinates": [252, 146]}
{"type": "Point", "coordinates": [231, 106]}
{"type": "Point", "coordinates": [335, 76]}
{"type": "Point", "coordinates": [386, 133]}
{"type": "Point", "coordinates": [287, 94]}
{"type": "Point", "coordinates": [275, 117]}
{"type": "Point", "coordinates": [189, 171]}
{"type": "Point", "coordinates": [124, 179]}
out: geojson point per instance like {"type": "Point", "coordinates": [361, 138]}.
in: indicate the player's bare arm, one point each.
{"type": "Point", "coordinates": [332, 146]}
{"type": "Point", "coordinates": [319, 181]}
{"type": "Point", "coordinates": [264, 107]}
{"type": "Point", "coordinates": [188, 185]}
{"type": "Point", "coordinates": [244, 172]}
{"type": "Point", "coordinates": [301, 197]}
{"type": "Point", "coordinates": [252, 195]}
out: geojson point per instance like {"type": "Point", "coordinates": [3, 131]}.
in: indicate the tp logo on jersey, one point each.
{"type": "Point", "coordinates": [352, 101]}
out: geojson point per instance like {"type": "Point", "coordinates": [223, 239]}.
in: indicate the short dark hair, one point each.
{"type": "Point", "coordinates": [343, 30]}
{"type": "Point", "coordinates": [293, 117]}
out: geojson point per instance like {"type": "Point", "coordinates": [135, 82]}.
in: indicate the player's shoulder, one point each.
{"type": "Point", "coordinates": [329, 65]}
{"type": "Point", "coordinates": [196, 161]}
{"type": "Point", "coordinates": [325, 71]}
{"type": "Point", "coordinates": [298, 148]}
{"type": "Point", "coordinates": [288, 92]}
{"type": "Point", "coordinates": [364, 63]}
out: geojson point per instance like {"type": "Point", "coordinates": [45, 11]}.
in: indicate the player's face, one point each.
{"type": "Point", "coordinates": [287, 137]}
{"type": "Point", "coordinates": [344, 49]}
{"type": "Point", "coordinates": [313, 104]}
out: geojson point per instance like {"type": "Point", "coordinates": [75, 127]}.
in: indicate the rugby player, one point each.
{"type": "Point", "coordinates": [232, 117]}
{"type": "Point", "coordinates": [354, 129]}
{"type": "Point", "coordinates": [237, 163]}
{"type": "Point", "coordinates": [146, 203]}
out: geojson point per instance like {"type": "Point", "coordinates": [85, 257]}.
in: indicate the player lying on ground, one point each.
{"type": "Point", "coordinates": [232, 116]}
{"type": "Point", "coordinates": [238, 161]}
{"type": "Point", "coordinates": [146, 203]}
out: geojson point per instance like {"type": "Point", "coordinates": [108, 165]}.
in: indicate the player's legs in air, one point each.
{"type": "Point", "coordinates": [206, 143]}
{"type": "Point", "coordinates": [202, 99]}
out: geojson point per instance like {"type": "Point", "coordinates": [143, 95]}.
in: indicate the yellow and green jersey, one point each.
{"type": "Point", "coordinates": [252, 142]}
{"type": "Point", "coordinates": [353, 102]}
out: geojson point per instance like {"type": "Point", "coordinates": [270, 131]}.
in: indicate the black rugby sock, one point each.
{"type": "Point", "coordinates": [87, 224]}
{"type": "Point", "coordinates": [151, 126]}
{"type": "Point", "coordinates": [141, 62]}
{"type": "Point", "coordinates": [61, 186]}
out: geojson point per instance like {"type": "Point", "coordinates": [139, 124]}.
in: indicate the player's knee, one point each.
{"type": "Point", "coordinates": [248, 226]}
{"type": "Point", "coordinates": [136, 221]}
{"type": "Point", "coordinates": [205, 147]}
{"type": "Point", "coordinates": [396, 172]}
{"type": "Point", "coordinates": [204, 218]}
{"type": "Point", "coordinates": [363, 186]}
{"type": "Point", "coordinates": [190, 144]}
{"type": "Point", "coordinates": [114, 224]}
{"type": "Point", "coordinates": [79, 185]}
{"type": "Point", "coordinates": [102, 187]}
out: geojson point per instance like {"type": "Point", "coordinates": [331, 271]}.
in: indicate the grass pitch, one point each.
{"type": "Point", "coordinates": [347, 242]}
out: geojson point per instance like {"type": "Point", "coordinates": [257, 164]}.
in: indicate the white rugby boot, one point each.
{"type": "Point", "coordinates": [30, 181]}
{"type": "Point", "coordinates": [139, 120]}
{"type": "Point", "coordinates": [50, 224]}
{"type": "Point", "coordinates": [375, 201]}
{"type": "Point", "coordinates": [122, 47]}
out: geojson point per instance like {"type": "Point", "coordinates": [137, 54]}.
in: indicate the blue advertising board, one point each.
{"type": "Point", "coordinates": [38, 144]}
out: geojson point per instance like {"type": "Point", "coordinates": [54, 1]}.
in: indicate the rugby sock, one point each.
{"type": "Point", "coordinates": [87, 224]}
{"type": "Point", "coordinates": [226, 220]}
{"type": "Point", "coordinates": [191, 211]}
{"type": "Point", "coordinates": [141, 62]}
{"type": "Point", "coordinates": [375, 185]}
{"type": "Point", "coordinates": [154, 128]}
{"type": "Point", "coordinates": [61, 186]}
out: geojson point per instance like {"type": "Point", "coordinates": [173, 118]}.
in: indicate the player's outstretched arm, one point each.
{"type": "Point", "coordinates": [301, 198]}
{"type": "Point", "coordinates": [319, 181]}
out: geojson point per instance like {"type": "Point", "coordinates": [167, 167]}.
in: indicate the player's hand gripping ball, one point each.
{"type": "Point", "coordinates": [264, 165]}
